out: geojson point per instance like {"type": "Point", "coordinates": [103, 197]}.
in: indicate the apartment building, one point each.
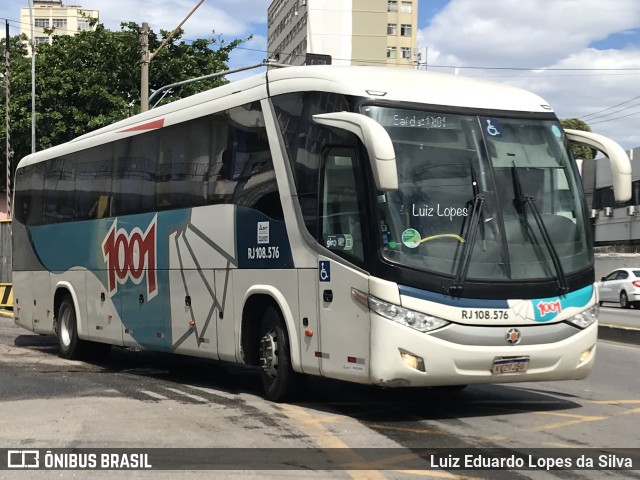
{"type": "Point", "coordinates": [53, 14]}
{"type": "Point", "coordinates": [351, 32]}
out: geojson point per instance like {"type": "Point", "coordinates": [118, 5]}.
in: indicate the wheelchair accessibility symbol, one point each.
{"type": "Point", "coordinates": [493, 128]}
{"type": "Point", "coordinates": [324, 271]}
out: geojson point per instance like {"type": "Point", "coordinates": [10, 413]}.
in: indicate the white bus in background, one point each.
{"type": "Point", "coordinates": [382, 226]}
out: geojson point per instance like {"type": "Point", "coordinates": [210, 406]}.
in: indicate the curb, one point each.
{"type": "Point", "coordinates": [619, 334]}
{"type": "Point", "coordinates": [6, 313]}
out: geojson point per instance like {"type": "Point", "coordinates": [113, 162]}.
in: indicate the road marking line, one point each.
{"type": "Point", "coordinates": [189, 395]}
{"type": "Point", "coordinates": [578, 420]}
{"type": "Point", "coordinates": [322, 436]}
{"type": "Point", "coordinates": [215, 392]}
{"type": "Point", "coordinates": [634, 410]}
{"type": "Point", "coordinates": [437, 474]}
{"type": "Point", "coordinates": [333, 419]}
{"type": "Point", "coordinates": [155, 395]}
{"type": "Point", "coordinates": [616, 402]}
{"type": "Point", "coordinates": [407, 429]}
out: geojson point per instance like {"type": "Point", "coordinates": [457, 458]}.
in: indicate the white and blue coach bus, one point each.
{"type": "Point", "coordinates": [383, 226]}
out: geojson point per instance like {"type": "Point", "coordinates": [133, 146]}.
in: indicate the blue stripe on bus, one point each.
{"type": "Point", "coordinates": [452, 301]}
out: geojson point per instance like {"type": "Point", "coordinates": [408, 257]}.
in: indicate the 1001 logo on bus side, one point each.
{"type": "Point", "coordinates": [131, 255]}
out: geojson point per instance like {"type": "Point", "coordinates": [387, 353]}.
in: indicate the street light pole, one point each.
{"type": "Point", "coordinates": [144, 68]}
{"type": "Point", "coordinates": [33, 81]}
{"type": "Point", "coordinates": [7, 125]}
{"type": "Point", "coordinates": [147, 57]}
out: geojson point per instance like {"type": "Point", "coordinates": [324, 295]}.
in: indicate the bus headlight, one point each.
{"type": "Point", "coordinates": [410, 318]}
{"type": "Point", "coordinates": [586, 318]}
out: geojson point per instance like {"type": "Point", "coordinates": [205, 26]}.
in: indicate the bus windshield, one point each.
{"type": "Point", "coordinates": [481, 197]}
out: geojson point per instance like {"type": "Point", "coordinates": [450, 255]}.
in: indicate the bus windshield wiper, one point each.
{"type": "Point", "coordinates": [523, 200]}
{"type": "Point", "coordinates": [470, 238]}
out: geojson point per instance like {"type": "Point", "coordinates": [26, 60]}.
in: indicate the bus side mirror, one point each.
{"type": "Point", "coordinates": [620, 163]}
{"type": "Point", "coordinates": [375, 138]}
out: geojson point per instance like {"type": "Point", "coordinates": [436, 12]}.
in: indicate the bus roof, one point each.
{"type": "Point", "coordinates": [407, 85]}
{"type": "Point", "coordinates": [392, 84]}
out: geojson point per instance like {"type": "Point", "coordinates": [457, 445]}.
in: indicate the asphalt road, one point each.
{"type": "Point", "coordinates": [139, 399]}
{"type": "Point", "coordinates": [610, 314]}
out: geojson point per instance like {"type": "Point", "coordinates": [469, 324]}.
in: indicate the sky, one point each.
{"type": "Point", "coordinates": [582, 56]}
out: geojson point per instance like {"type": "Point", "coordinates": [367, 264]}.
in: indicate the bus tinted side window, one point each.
{"type": "Point", "coordinates": [241, 169]}
{"type": "Point", "coordinates": [220, 158]}
{"type": "Point", "coordinates": [59, 191]}
{"type": "Point", "coordinates": [183, 165]}
{"type": "Point", "coordinates": [252, 165]}
{"type": "Point", "coordinates": [93, 182]}
{"type": "Point", "coordinates": [27, 207]}
{"type": "Point", "coordinates": [134, 181]}
{"type": "Point", "coordinates": [305, 140]}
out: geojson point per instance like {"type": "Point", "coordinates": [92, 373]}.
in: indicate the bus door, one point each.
{"type": "Point", "coordinates": [344, 323]}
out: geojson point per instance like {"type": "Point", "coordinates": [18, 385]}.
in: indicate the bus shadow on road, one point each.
{"type": "Point", "coordinates": [375, 404]}
{"type": "Point", "coordinates": [363, 402]}
{"type": "Point", "coordinates": [40, 342]}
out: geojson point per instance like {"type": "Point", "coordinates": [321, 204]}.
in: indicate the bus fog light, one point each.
{"type": "Point", "coordinates": [412, 361]}
{"type": "Point", "coordinates": [585, 356]}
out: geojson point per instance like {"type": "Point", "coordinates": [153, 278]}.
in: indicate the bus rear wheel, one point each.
{"type": "Point", "coordinates": [278, 378]}
{"type": "Point", "coordinates": [70, 345]}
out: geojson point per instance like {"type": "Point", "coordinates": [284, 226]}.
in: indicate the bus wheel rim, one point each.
{"type": "Point", "coordinates": [269, 353]}
{"type": "Point", "coordinates": [65, 333]}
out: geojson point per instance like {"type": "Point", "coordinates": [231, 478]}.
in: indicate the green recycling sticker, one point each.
{"type": "Point", "coordinates": [411, 238]}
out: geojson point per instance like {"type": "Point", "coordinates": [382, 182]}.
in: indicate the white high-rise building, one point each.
{"type": "Point", "coordinates": [53, 14]}
{"type": "Point", "coordinates": [352, 32]}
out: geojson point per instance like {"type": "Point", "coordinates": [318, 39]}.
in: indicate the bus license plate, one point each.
{"type": "Point", "coordinates": [509, 365]}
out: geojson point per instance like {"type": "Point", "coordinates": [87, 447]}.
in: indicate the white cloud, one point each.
{"type": "Point", "coordinates": [519, 33]}
{"type": "Point", "coordinates": [527, 32]}
{"type": "Point", "coordinates": [228, 17]}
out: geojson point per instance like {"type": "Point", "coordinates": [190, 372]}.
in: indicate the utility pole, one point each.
{"type": "Point", "coordinates": [33, 81]}
{"type": "Point", "coordinates": [144, 72]}
{"type": "Point", "coordinates": [146, 57]}
{"type": "Point", "coordinates": [7, 129]}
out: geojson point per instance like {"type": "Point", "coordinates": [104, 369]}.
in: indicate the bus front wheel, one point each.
{"type": "Point", "coordinates": [278, 378]}
{"type": "Point", "coordinates": [67, 330]}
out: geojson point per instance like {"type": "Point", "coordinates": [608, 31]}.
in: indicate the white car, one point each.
{"type": "Point", "coordinates": [621, 286]}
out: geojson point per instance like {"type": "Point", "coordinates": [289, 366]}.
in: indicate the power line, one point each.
{"type": "Point", "coordinates": [450, 67]}
{"type": "Point", "coordinates": [614, 113]}
{"type": "Point", "coordinates": [616, 118]}
{"type": "Point", "coordinates": [611, 108]}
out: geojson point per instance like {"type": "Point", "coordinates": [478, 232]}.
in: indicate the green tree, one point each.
{"type": "Point", "coordinates": [92, 79]}
{"type": "Point", "coordinates": [20, 104]}
{"type": "Point", "coordinates": [579, 151]}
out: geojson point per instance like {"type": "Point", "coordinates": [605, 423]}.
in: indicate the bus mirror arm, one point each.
{"type": "Point", "coordinates": [375, 138]}
{"type": "Point", "coordinates": [620, 164]}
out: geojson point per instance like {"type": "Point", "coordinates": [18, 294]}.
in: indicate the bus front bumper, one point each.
{"type": "Point", "coordinates": [450, 363]}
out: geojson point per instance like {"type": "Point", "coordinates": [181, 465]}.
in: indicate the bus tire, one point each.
{"type": "Point", "coordinates": [278, 378]}
{"type": "Point", "coordinates": [70, 345]}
